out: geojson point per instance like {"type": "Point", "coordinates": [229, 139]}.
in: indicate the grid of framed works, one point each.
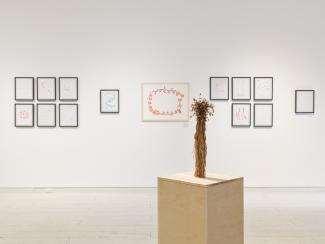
{"type": "Point", "coordinates": [241, 109]}
{"type": "Point", "coordinates": [46, 113]}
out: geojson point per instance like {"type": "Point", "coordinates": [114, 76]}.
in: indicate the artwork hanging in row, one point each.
{"type": "Point", "coordinates": [304, 101]}
{"type": "Point", "coordinates": [165, 101]}
{"type": "Point", "coordinates": [241, 115]}
{"type": "Point", "coordinates": [110, 101]}
{"type": "Point", "coordinates": [241, 88]}
{"type": "Point", "coordinates": [46, 88]}
{"type": "Point", "coordinates": [46, 115]}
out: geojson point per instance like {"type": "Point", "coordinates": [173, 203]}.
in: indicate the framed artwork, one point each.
{"type": "Point", "coordinates": [24, 88]}
{"type": "Point", "coordinates": [68, 88]}
{"type": "Point", "coordinates": [165, 102]}
{"type": "Point", "coordinates": [46, 88]}
{"type": "Point", "coordinates": [46, 115]}
{"type": "Point", "coordinates": [241, 88]}
{"type": "Point", "coordinates": [305, 101]}
{"type": "Point", "coordinates": [263, 88]}
{"type": "Point", "coordinates": [241, 115]}
{"type": "Point", "coordinates": [68, 115]}
{"type": "Point", "coordinates": [24, 115]}
{"type": "Point", "coordinates": [219, 88]}
{"type": "Point", "coordinates": [263, 115]}
{"type": "Point", "coordinates": [109, 101]}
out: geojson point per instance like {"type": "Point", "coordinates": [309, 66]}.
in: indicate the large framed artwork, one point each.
{"type": "Point", "coordinates": [24, 115]}
{"type": "Point", "coordinates": [263, 88]}
{"type": "Point", "coordinates": [109, 101]}
{"type": "Point", "coordinates": [68, 88]}
{"type": "Point", "coordinates": [24, 88]}
{"type": "Point", "coordinates": [46, 115]}
{"type": "Point", "coordinates": [263, 115]}
{"type": "Point", "coordinates": [68, 115]}
{"type": "Point", "coordinates": [219, 88]}
{"type": "Point", "coordinates": [241, 115]}
{"type": "Point", "coordinates": [46, 88]}
{"type": "Point", "coordinates": [241, 88]}
{"type": "Point", "coordinates": [305, 101]}
{"type": "Point", "coordinates": [165, 101]}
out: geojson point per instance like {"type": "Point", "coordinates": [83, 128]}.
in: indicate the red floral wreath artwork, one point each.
{"type": "Point", "coordinates": [161, 92]}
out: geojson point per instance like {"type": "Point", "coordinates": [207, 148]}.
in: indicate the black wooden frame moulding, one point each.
{"type": "Point", "coordinates": [232, 115]}
{"type": "Point", "coordinates": [118, 101]}
{"type": "Point", "coordinates": [77, 83]}
{"type": "Point", "coordinates": [263, 126]}
{"type": "Point", "coordinates": [47, 126]}
{"type": "Point", "coordinates": [25, 126]}
{"type": "Point", "coordinates": [308, 112]}
{"type": "Point", "coordinates": [232, 89]}
{"type": "Point", "coordinates": [33, 81]}
{"type": "Point", "coordinates": [254, 89]}
{"type": "Point", "coordinates": [216, 99]}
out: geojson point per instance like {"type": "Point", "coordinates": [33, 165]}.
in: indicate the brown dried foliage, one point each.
{"type": "Point", "coordinates": [202, 109]}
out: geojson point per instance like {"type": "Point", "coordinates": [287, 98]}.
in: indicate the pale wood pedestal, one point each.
{"type": "Point", "coordinates": [200, 210]}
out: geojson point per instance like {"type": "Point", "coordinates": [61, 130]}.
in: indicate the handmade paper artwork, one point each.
{"type": "Point", "coordinates": [241, 115]}
{"type": "Point", "coordinates": [46, 88]}
{"type": "Point", "coordinates": [263, 88]}
{"type": "Point", "coordinates": [263, 115]}
{"type": "Point", "coordinates": [24, 115]}
{"type": "Point", "coordinates": [241, 88]}
{"type": "Point", "coordinates": [46, 115]}
{"type": "Point", "coordinates": [24, 88]}
{"type": "Point", "coordinates": [109, 101]}
{"type": "Point", "coordinates": [219, 88]}
{"type": "Point", "coordinates": [68, 115]}
{"type": "Point", "coordinates": [68, 88]}
{"type": "Point", "coordinates": [165, 101]}
{"type": "Point", "coordinates": [304, 101]}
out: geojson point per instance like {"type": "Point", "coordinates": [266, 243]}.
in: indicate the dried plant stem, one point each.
{"type": "Point", "coordinates": [200, 148]}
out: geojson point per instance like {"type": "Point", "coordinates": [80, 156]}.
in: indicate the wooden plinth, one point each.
{"type": "Point", "coordinates": [200, 210]}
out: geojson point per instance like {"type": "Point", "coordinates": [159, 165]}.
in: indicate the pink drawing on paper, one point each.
{"type": "Point", "coordinates": [241, 114]}
{"type": "Point", "coordinates": [23, 114]}
{"type": "Point", "coordinates": [172, 95]}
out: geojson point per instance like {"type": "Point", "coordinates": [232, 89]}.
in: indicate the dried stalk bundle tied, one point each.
{"type": "Point", "coordinates": [202, 110]}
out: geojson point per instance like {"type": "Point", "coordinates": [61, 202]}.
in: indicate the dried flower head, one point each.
{"type": "Point", "coordinates": [202, 109]}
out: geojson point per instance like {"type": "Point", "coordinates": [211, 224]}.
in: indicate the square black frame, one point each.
{"type": "Point", "coordinates": [54, 88]}
{"type": "Point", "coordinates": [69, 100]}
{"type": "Point", "coordinates": [216, 99]}
{"type": "Point", "coordinates": [70, 126]}
{"type": "Point", "coordinates": [263, 126]}
{"type": "Point", "coordinates": [255, 88]}
{"type": "Point", "coordinates": [25, 77]}
{"type": "Point", "coordinates": [232, 115]}
{"type": "Point", "coordinates": [232, 89]}
{"type": "Point", "coordinates": [118, 101]}
{"type": "Point", "coordinates": [24, 126]}
{"type": "Point", "coordinates": [308, 112]}
{"type": "Point", "coordinates": [47, 126]}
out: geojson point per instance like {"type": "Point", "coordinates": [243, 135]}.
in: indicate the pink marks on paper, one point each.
{"type": "Point", "coordinates": [173, 94]}
{"type": "Point", "coordinates": [23, 114]}
{"type": "Point", "coordinates": [241, 114]}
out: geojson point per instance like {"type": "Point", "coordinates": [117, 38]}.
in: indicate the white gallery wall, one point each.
{"type": "Point", "coordinates": [119, 44]}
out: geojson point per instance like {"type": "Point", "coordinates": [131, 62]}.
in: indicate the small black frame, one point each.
{"type": "Point", "coordinates": [17, 99]}
{"type": "Point", "coordinates": [118, 101]}
{"type": "Point", "coordinates": [263, 104]}
{"type": "Point", "coordinates": [70, 126]}
{"type": "Point", "coordinates": [38, 88]}
{"type": "Point", "coordinates": [232, 114]}
{"type": "Point", "coordinates": [47, 126]}
{"type": "Point", "coordinates": [218, 99]}
{"type": "Point", "coordinates": [24, 126]}
{"type": "Point", "coordinates": [254, 88]}
{"type": "Point", "coordinates": [304, 112]}
{"type": "Point", "coordinates": [77, 82]}
{"type": "Point", "coordinates": [232, 89]}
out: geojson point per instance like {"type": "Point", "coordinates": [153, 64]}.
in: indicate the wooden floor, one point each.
{"type": "Point", "coordinates": [129, 216]}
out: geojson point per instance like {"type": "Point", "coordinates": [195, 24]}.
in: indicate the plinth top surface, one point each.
{"type": "Point", "coordinates": [210, 179]}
